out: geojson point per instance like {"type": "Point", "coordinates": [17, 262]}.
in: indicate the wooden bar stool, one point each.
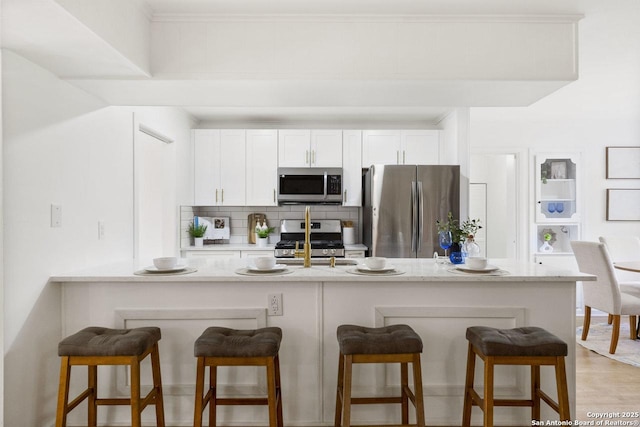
{"type": "Point", "coordinates": [231, 347]}
{"type": "Point", "coordinates": [520, 346]}
{"type": "Point", "coordinates": [390, 344]}
{"type": "Point", "coordinates": [96, 346]}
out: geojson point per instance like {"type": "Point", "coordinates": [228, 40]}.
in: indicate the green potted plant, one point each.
{"type": "Point", "coordinates": [197, 232]}
{"type": "Point", "coordinates": [262, 234]}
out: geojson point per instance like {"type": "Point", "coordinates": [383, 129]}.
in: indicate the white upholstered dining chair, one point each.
{"type": "Point", "coordinates": [604, 294]}
{"type": "Point", "coordinates": [622, 249]}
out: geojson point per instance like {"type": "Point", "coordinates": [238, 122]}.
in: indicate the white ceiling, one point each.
{"type": "Point", "coordinates": [47, 34]}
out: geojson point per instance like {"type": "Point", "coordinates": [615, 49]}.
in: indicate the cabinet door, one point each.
{"type": "Point", "coordinates": [352, 168]}
{"type": "Point", "coordinates": [206, 146]}
{"type": "Point", "coordinates": [557, 177]}
{"type": "Point", "coordinates": [420, 147]}
{"type": "Point", "coordinates": [232, 167]}
{"type": "Point", "coordinates": [294, 148]}
{"type": "Point", "coordinates": [380, 147]}
{"type": "Point", "coordinates": [326, 148]}
{"type": "Point", "coordinates": [262, 167]}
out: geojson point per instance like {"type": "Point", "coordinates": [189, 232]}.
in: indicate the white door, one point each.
{"type": "Point", "coordinates": [380, 147]}
{"type": "Point", "coordinates": [155, 199]}
{"type": "Point", "coordinates": [420, 147]}
{"type": "Point", "coordinates": [294, 148]}
{"type": "Point", "coordinates": [326, 148]}
{"type": "Point", "coordinates": [262, 167]}
{"type": "Point", "coordinates": [232, 167]}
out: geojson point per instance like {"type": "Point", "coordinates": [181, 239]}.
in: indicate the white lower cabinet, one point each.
{"type": "Point", "coordinates": [255, 254]}
{"type": "Point", "coordinates": [354, 254]}
{"type": "Point", "coordinates": [210, 254]}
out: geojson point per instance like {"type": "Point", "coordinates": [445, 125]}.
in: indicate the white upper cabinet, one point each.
{"type": "Point", "coordinates": [262, 167]}
{"type": "Point", "coordinates": [396, 147]}
{"type": "Point", "coordinates": [352, 168]}
{"type": "Point", "coordinates": [219, 179]}
{"type": "Point", "coordinates": [309, 148]}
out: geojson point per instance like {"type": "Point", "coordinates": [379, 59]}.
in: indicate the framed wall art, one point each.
{"type": "Point", "coordinates": [623, 204]}
{"type": "Point", "coordinates": [623, 162]}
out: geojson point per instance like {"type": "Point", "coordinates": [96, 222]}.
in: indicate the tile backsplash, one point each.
{"type": "Point", "coordinates": [238, 218]}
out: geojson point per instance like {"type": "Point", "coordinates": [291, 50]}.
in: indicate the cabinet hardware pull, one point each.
{"type": "Point", "coordinates": [313, 157]}
{"type": "Point", "coordinates": [216, 195]}
{"type": "Point", "coordinates": [397, 157]}
{"type": "Point", "coordinates": [222, 191]}
{"type": "Point", "coordinates": [306, 157]}
{"type": "Point", "coordinates": [274, 195]}
{"type": "Point", "coordinates": [404, 157]}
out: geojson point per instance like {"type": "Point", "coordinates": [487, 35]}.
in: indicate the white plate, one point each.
{"type": "Point", "coordinates": [363, 267]}
{"type": "Point", "coordinates": [487, 269]}
{"type": "Point", "coordinates": [277, 267]}
{"type": "Point", "coordinates": [154, 269]}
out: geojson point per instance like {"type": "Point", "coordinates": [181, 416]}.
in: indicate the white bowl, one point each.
{"type": "Point", "coordinates": [375, 263]}
{"type": "Point", "coordinates": [165, 263]}
{"type": "Point", "coordinates": [264, 262]}
{"type": "Point", "coordinates": [476, 262]}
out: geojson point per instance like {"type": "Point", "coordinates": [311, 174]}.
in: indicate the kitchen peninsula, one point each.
{"type": "Point", "coordinates": [438, 301]}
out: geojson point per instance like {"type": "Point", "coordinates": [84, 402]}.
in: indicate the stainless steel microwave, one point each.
{"type": "Point", "coordinates": [310, 185]}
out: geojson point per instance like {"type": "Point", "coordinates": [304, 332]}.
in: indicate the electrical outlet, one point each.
{"type": "Point", "coordinates": [274, 304]}
{"type": "Point", "coordinates": [100, 230]}
{"type": "Point", "coordinates": [56, 215]}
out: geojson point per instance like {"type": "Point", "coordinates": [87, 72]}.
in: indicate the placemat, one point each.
{"type": "Point", "coordinates": [144, 272]}
{"type": "Point", "coordinates": [382, 273]}
{"type": "Point", "coordinates": [246, 272]}
{"type": "Point", "coordinates": [498, 272]}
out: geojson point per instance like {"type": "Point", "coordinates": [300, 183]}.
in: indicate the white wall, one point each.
{"type": "Point", "coordinates": [65, 147]}
{"type": "Point", "coordinates": [601, 109]}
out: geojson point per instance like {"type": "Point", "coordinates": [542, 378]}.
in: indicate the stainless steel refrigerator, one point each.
{"type": "Point", "coordinates": [401, 205]}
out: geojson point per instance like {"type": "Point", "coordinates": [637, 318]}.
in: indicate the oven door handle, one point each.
{"type": "Point", "coordinates": [325, 185]}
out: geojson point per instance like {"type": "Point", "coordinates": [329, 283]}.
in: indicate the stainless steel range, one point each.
{"type": "Point", "coordinates": [325, 236]}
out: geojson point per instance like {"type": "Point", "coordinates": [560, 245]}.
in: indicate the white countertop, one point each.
{"type": "Point", "coordinates": [415, 270]}
{"type": "Point", "coordinates": [253, 247]}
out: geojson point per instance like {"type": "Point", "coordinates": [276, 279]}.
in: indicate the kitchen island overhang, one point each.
{"type": "Point", "coordinates": [437, 302]}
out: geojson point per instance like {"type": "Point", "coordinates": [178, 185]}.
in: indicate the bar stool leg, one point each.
{"type": "Point", "coordinates": [135, 392]}
{"type": "Point", "coordinates": [157, 384]}
{"type": "Point", "coordinates": [468, 386]}
{"type": "Point", "coordinates": [340, 391]}
{"type": "Point", "coordinates": [563, 393]}
{"type": "Point", "coordinates": [417, 387]}
{"type": "Point", "coordinates": [271, 393]}
{"type": "Point", "coordinates": [197, 412]}
{"type": "Point", "coordinates": [213, 397]}
{"type": "Point", "coordinates": [279, 392]}
{"type": "Point", "coordinates": [488, 392]}
{"type": "Point", "coordinates": [63, 392]}
{"type": "Point", "coordinates": [404, 383]}
{"type": "Point", "coordinates": [348, 370]}
{"type": "Point", "coordinates": [535, 392]}
{"type": "Point", "coordinates": [93, 395]}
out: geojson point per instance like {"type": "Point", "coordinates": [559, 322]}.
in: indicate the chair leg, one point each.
{"type": "Point", "coordinates": [92, 413]}
{"type": "Point", "coordinates": [279, 391]}
{"type": "Point", "coordinates": [157, 384]}
{"type": "Point", "coordinates": [135, 393]}
{"type": "Point", "coordinates": [586, 322]}
{"type": "Point", "coordinates": [272, 393]}
{"type": "Point", "coordinates": [63, 392]}
{"type": "Point", "coordinates": [348, 371]}
{"type": "Point", "coordinates": [468, 386]}
{"type": "Point", "coordinates": [563, 393]}
{"type": "Point", "coordinates": [535, 392]}
{"type": "Point", "coordinates": [404, 383]}
{"type": "Point", "coordinates": [609, 319]}
{"type": "Point", "coordinates": [488, 392]}
{"type": "Point", "coordinates": [615, 333]}
{"type": "Point", "coordinates": [339, 392]}
{"type": "Point", "coordinates": [632, 327]}
{"type": "Point", "coordinates": [213, 400]}
{"type": "Point", "coordinates": [197, 412]}
{"type": "Point", "coordinates": [417, 387]}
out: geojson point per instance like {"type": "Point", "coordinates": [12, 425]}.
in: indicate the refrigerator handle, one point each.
{"type": "Point", "coordinates": [414, 216]}
{"type": "Point", "coordinates": [420, 215]}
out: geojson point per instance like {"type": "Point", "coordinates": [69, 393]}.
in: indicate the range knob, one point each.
{"type": "Point", "coordinates": [333, 251]}
{"type": "Point", "coordinates": [325, 251]}
{"type": "Point", "coordinates": [285, 252]}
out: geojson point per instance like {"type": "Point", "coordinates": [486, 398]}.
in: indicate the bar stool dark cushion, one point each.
{"type": "Point", "coordinates": [526, 341]}
{"type": "Point", "coordinates": [98, 341]}
{"type": "Point", "coordinates": [394, 339]}
{"type": "Point", "coordinates": [224, 342]}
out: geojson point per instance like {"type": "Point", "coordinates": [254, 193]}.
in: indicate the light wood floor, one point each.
{"type": "Point", "coordinates": [604, 385]}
